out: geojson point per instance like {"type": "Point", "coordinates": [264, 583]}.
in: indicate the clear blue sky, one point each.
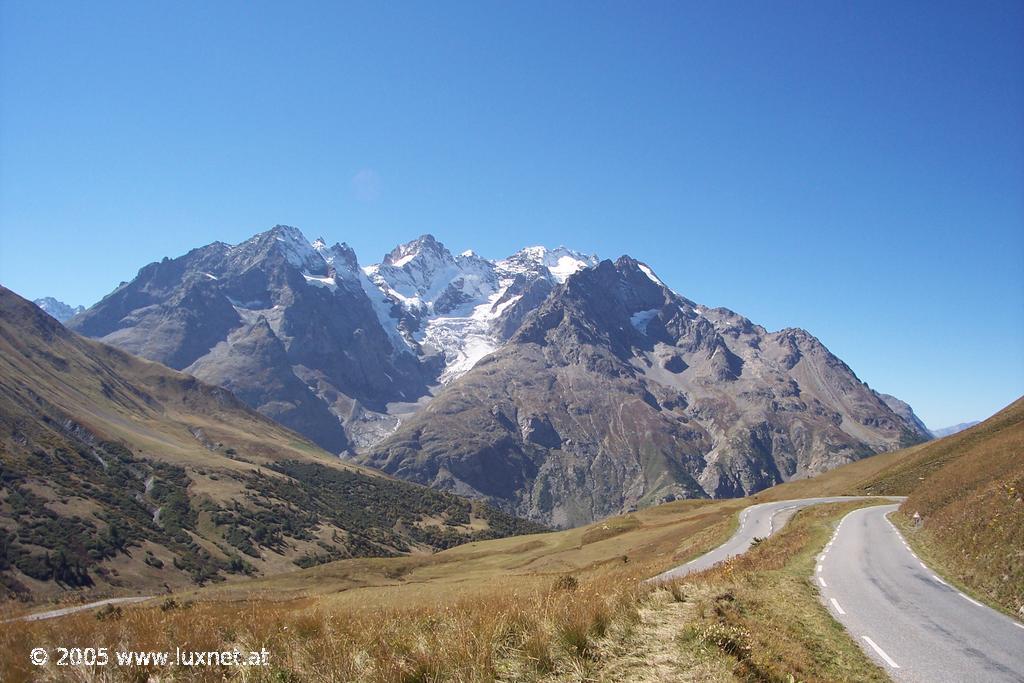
{"type": "Point", "coordinates": [853, 168]}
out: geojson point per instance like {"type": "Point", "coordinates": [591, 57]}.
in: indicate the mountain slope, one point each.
{"type": "Point", "coordinates": [903, 409]}
{"type": "Point", "coordinates": [616, 392]}
{"type": "Point", "coordinates": [285, 323]}
{"type": "Point", "coordinates": [118, 473]}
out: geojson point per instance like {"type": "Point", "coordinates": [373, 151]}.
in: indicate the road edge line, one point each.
{"type": "Point", "coordinates": [881, 653]}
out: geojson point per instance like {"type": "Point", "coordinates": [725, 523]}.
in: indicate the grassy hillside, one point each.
{"type": "Point", "coordinates": [522, 608]}
{"type": "Point", "coordinates": [119, 475]}
{"type": "Point", "coordinates": [969, 491]}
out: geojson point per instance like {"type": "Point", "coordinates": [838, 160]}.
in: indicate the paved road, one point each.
{"type": "Point", "coordinates": [757, 520]}
{"type": "Point", "coordinates": [906, 618]}
{"type": "Point", "coordinates": [39, 616]}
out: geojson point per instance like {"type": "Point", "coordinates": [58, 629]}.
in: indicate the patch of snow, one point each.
{"type": "Point", "coordinates": [642, 319]}
{"type": "Point", "coordinates": [58, 309]}
{"type": "Point", "coordinates": [650, 274]}
{"type": "Point", "coordinates": [327, 282]}
{"type": "Point", "coordinates": [248, 305]}
{"type": "Point", "coordinates": [382, 308]}
{"type": "Point", "coordinates": [404, 260]}
{"type": "Point", "coordinates": [566, 266]}
{"type": "Point", "coordinates": [498, 309]}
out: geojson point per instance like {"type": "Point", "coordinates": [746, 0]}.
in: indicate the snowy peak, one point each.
{"type": "Point", "coordinates": [560, 263]}
{"type": "Point", "coordinates": [281, 241]}
{"type": "Point", "coordinates": [340, 258]}
{"type": "Point", "coordinates": [463, 307]}
{"type": "Point", "coordinates": [425, 246]}
{"type": "Point", "coordinates": [58, 309]}
{"type": "Point", "coordinates": [422, 275]}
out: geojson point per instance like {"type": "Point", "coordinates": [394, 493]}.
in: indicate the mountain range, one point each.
{"type": "Point", "coordinates": [551, 383]}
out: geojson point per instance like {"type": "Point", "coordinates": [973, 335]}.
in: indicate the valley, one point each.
{"type": "Point", "coordinates": [121, 476]}
{"type": "Point", "coordinates": [544, 606]}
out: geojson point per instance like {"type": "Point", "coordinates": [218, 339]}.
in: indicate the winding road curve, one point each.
{"type": "Point", "coordinates": [759, 521]}
{"type": "Point", "coordinates": [900, 612]}
{"type": "Point", "coordinates": [904, 616]}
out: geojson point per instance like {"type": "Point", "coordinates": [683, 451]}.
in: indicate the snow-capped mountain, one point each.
{"type": "Point", "coordinates": [285, 324]}
{"type": "Point", "coordinates": [512, 379]}
{"type": "Point", "coordinates": [58, 309]}
{"type": "Point", "coordinates": [617, 392]}
{"type": "Point", "coordinates": [302, 333]}
{"type": "Point", "coordinates": [460, 306]}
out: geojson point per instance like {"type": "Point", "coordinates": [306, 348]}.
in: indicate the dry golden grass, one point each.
{"type": "Point", "coordinates": [526, 608]}
{"type": "Point", "coordinates": [514, 633]}
{"type": "Point", "coordinates": [600, 623]}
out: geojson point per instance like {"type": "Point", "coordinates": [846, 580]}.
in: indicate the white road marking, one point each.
{"type": "Point", "coordinates": [1018, 625]}
{"type": "Point", "coordinates": [969, 599]}
{"type": "Point", "coordinates": [839, 609]}
{"type": "Point", "coordinates": [946, 584]}
{"type": "Point", "coordinates": [819, 568]}
{"type": "Point", "coordinates": [923, 565]}
{"type": "Point", "coordinates": [825, 585]}
{"type": "Point", "coordinates": [881, 653]}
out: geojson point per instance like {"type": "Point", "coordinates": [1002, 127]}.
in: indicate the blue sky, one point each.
{"type": "Point", "coordinates": [856, 169]}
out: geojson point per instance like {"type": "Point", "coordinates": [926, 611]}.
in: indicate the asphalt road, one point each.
{"type": "Point", "coordinates": [52, 614]}
{"type": "Point", "coordinates": [904, 616]}
{"type": "Point", "coordinates": [759, 521]}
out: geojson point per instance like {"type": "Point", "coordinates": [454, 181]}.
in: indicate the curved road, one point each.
{"type": "Point", "coordinates": [904, 616]}
{"type": "Point", "coordinates": [759, 521]}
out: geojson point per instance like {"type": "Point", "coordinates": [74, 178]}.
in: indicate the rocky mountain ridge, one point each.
{"type": "Point", "coordinates": [347, 355]}
{"type": "Point", "coordinates": [617, 392]}
{"type": "Point", "coordinates": [304, 334]}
